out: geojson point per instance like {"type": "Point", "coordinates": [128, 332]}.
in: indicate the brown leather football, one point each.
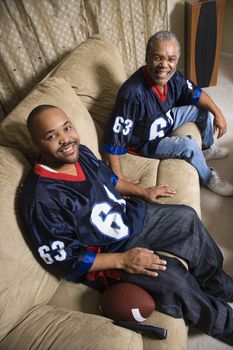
{"type": "Point", "coordinates": [126, 302]}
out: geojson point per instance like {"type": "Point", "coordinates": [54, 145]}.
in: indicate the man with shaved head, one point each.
{"type": "Point", "coordinates": [81, 227]}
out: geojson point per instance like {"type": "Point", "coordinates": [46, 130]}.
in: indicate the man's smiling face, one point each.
{"type": "Point", "coordinates": [56, 138]}
{"type": "Point", "coordinates": [162, 61]}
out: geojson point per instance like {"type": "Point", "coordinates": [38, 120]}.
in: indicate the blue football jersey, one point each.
{"type": "Point", "coordinates": [67, 216]}
{"type": "Point", "coordinates": [142, 115]}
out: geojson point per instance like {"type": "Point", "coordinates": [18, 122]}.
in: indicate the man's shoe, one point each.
{"type": "Point", "coordinates": [219, 185]}
{"type": "Point", "coordinates": [215, 152]}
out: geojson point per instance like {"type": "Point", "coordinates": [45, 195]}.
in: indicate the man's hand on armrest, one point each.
{"type": "Point", "coordinates": [150, 194]}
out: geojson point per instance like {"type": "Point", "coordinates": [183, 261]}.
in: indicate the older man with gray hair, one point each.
{"type": "Point", "coordinates": [156, 100]}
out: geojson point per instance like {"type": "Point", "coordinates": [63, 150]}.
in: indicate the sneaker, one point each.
{"type": "Point", "coordinates": [215, 152]}
{"type": "Point", "coordinates": [219, 185]}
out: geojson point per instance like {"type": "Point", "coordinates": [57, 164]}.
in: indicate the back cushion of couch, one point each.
{"type": "Point", "coordinates": [24, 282]}
{"type": "Point", "coordinates": [95, 71]}
{"type": "Point", "coordinates": [54, 91]}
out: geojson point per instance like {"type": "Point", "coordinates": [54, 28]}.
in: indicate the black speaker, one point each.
{"type": "Point", "coordinates": [203, 37]}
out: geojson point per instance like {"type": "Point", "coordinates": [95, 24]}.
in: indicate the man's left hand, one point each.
{"type": "Point", "coordinates": [220, 125]}
{"type": "Point", "coordinates": [152, 193]}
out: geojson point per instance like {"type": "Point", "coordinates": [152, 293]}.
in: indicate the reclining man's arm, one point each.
{"type": "Point", "coordinates": [136, 260]}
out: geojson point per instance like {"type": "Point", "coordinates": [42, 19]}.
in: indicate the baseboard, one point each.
{"type": "Point", "coordinates": [227, 55]}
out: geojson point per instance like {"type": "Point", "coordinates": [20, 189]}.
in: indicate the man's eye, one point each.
{"type": "Point", "coordinates": [50, 137]}
{"type": "Point", "coordinates": [68, 127]}
{"type": "Point", "coordinates": [156, 58]}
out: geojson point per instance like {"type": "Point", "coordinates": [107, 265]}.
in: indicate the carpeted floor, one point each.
{"type": "Point", "coordinates": [217, 212]}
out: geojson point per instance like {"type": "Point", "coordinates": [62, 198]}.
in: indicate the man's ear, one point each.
{"type": "Point", "coordinates": [34, 139]}
{"type": "Point", "coordinates": [34, 142]}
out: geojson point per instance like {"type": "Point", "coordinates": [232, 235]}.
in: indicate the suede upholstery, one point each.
{"type": "Point", "coordinates": [53, 91]}
{"type": "Point", "coordinates": [38, 311]}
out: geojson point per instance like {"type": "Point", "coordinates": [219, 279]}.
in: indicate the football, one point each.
{"type": "Point", "coordinates": [126, 302]}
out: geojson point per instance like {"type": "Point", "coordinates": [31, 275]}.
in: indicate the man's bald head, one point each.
{"type": "Point", "coordinates": [34, 114]}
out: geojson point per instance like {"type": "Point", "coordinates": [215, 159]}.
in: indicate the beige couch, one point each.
{"type": "Point", "coordinates": [38, 311]}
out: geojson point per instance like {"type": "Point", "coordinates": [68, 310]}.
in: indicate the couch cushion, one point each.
{"type": "Point", "coordinates": [177, 333]}
{"type": "Point", "coordinates": [143, 169]}
{"type": "Point", "coordinates": [48, 327]}
{"type": "Point", "coordinates": [23, 281]}
{"type": "Point", "coordinates": [176, 172]}
{"type": "Point", "coordinates": [79, 297]}
{"type": "Point", "coordinates": [55, 91]}
{"type": "Point", "coordinates": [95, 71]}
{"type": "Point", "coordinates": [82, 298]}
{"type": "Point", "coordinates": [184, 178]}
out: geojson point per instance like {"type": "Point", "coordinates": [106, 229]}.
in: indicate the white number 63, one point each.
{"type": "Point", "coordinates": [122, 125]}
{"type": "Point", "coordinates": [45, 250]}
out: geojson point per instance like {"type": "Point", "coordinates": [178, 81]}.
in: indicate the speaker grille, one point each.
{"type": "Point", "coordinates": [206, 43]}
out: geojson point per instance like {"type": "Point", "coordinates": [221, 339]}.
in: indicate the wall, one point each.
{"type": "Point", "coordinates": [176, 25]}
{"type": "Point", "coordinates": [227, 42]}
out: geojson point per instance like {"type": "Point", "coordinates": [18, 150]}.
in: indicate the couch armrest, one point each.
{"type": "Point", "coordinates": [47, 327]}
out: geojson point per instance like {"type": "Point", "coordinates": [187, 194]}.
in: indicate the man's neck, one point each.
{"type": "Point", "coordinates": [160, 88]}
{"type": "Point", "coordinates": [69, 169]}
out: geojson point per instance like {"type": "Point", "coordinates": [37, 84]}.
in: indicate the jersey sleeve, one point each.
{"type": "Point", "coordinates": [120, 127]}
{"type": "Point", "coordinates": [189, 92]}
{"type": "Point", "coordinates": [55, 238]}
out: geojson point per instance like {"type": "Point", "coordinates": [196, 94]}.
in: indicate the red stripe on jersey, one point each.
{"type": "Point", "coordinates": [161, 96]}
{"type": "Point", "coordinates": [39, 170]}
{"type": "Point", "coordinates": [102, 275]}
{"type": "Point", "coordinates": [132, 150]}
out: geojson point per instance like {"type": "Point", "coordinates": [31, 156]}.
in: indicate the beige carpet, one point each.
{"type": "Point", "coordinates": [217, 212]}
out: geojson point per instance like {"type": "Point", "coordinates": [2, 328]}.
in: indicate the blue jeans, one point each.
{"type": "Point", "coordinates": [198, 295]}
{"type": "Point", "coordinates": [185, 147]}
